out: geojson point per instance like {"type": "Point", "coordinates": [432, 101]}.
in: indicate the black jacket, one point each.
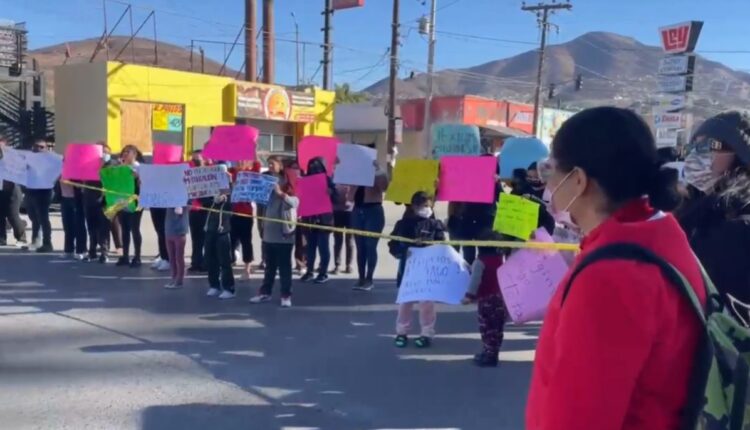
{"type": "Point", "coordinates": [218, 223]}
{"type": "Point", "coordinates": [414, 227]}
{"type": "Point", "coordinates": [718, 227]}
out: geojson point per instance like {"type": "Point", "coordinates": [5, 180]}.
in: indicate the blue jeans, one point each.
{"type": "Point", "coordinates": [368, 218]}
{"type": "Point", "coordinates": [318, 241]}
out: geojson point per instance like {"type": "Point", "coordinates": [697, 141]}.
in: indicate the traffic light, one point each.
{"type": "Point", "coordinates": [579, 82]}
{"type": "Point", "coordinates": [551, 92]}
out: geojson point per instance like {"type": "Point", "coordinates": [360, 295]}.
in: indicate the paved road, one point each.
{"type": "Point", "coordinates": [86, 346]}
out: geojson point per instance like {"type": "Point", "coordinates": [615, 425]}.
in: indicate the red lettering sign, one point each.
{"type": "Point", "coordinates": [679, 38]}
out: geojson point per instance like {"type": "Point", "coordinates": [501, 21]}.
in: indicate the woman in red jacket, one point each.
{"type": "Point", "coordinates": [619, 354]}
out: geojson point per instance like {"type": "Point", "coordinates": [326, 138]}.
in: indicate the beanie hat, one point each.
{"type": "Point", "coordinates": [732, 129]}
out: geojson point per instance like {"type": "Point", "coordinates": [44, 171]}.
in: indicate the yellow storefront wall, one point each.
{"type": "Point", "coordinates": [201, 94]}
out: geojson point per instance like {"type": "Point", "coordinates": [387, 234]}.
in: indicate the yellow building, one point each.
{"type": "Point", "coordinates": [129, 104]}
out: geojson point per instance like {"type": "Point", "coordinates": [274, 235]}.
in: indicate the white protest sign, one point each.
{"type": "Point", "coordinates": [436, 273]}
{"type": "Point", "coordinates": [207, 181]}
{"type": "Point", "coordinates": [44, 168]}
{"type": "Point", "coordinates": [356, 165]}
{"type": "Point", "coordinates": [162, 185]}
{"type": "Point", "coordinates": [529, 279]}
{"type": "Point", "coordinates": [253, 187]}
{"type": "Point", "coordinates": [14, 167]}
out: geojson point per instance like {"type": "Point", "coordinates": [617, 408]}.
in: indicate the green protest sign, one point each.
{"type": "Point", "coordinates": [119, 183]}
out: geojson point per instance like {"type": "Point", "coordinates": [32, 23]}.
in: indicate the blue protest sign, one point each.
{"type": "Point", "coordinates": [455, 139]}
{"type": "Point", "coordinates": [519, 153]}
{"type": "Point", "coordinates": [253, 187]}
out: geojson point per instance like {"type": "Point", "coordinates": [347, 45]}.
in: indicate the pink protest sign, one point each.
{"type": "Point", "coordinates": [317, 146]}
{"type": "Point", "coordinates": [82, 161]}
{"type": "Point", "coordinates": [166, 153]}
{"type": "Point", "coordinates": [467, 179]}
{"type": "Point", "coordinates": [231, 143]}
{"type": "Point", "coordinates": [529, 279]}
{"type": "Point", "coordinates": [313, 195]}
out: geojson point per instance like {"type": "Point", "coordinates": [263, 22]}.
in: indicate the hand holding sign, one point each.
{"type": "Point", "coordinates": [436, 273]}
{"type": "Point", "coordinates": [516, 216]}
{"type": "Point", "coordinates": [254, 187]}
{"type": "Point", "coordinates": [455, 139]}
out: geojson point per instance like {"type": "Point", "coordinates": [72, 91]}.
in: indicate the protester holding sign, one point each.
{"type": "Point", "coordinates": [368, 215]}
{"type": "Point", "coordinates": [95, 203]}
{"type": "Point", "coordinates": [418, 223]}
{"type": "Point", "coordinates": [38, 202]}
{"type": "Point", "coordinates": [484, 289]}
{"type": "Point", "coordinates": [342, 218]}
{"type": "Point", "coordinates": [278, 237]}
{"type": "Point", "coordinates": [74, 225]}
{"type": "Point", "coordinates": [197, 222]}
{"type": "Point", "coordinates": [219, 243]}
{"type": "Point", "coordinates": [130, 219]}
{"type": "Point", "coordinates": [318, 240]}
{"type": "Point", "coordinates": [242, 221]}
{"type": "Point", "coordinates": [10, 205]}
{"type": "Point", "coordinates": [619, 342]}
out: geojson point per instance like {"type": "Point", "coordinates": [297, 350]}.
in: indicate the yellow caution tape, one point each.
{"type": "Point", "coordinates": [548, 246]}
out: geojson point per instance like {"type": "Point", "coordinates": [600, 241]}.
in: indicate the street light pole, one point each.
{"type": "Point", "coordinates": [296, 33]}
{"type": "Point", "coordinates": [427, 128]}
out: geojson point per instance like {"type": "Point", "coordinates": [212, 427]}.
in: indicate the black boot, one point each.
{"type": "Point", "coordinates": [486, 359]}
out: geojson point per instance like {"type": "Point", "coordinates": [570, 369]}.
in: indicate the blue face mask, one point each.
{"type": "Point", "coordinates": [106, 158]}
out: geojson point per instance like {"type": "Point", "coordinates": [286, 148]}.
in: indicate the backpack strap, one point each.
{"type": "Point", "coordinates": [634, 252]}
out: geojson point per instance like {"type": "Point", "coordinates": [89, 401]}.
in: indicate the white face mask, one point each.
{"type": "Point", "coordinates": [562, 216]}
{"type": "Point", "coordinates": [698, 172]}
{"type": "Point", "coordinates": [424, 212]}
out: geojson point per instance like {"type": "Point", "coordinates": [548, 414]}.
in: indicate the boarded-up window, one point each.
{"type": "Point", "coordinates": [144, 123]}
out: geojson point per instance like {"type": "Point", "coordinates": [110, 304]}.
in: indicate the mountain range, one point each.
{"type": "Point", "coordinates": [614, 69]}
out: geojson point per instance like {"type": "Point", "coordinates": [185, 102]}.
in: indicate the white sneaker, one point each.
{"type": "Point", "coordinates": [155, 263]}
{"type": "Point", "coordinates": [22, 245]}
{"type": "Point", "coordinates": [79, 257]}
{"type": "Point", "coordinates": [34, 245]}
{"type": "Point", "coordinates": [237, 257]}
{"type": "Point", "coordinates": [163, 266]}
{"type": "Point", "coordinates": [172, 286]}
{"type": "Point", "coordinates": [286, 302]}
{"type": "Point", "coordinates": [213, 292]}
{"type": "Point", "coordinates": [226, 295]}
{"type": "Point", "coordinates": [260, 298]}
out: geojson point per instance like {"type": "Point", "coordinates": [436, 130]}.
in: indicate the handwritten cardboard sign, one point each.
{"type": "Point", "coordinates": [317, 146]}
{"type": "Point", "coordinates": [529, 279]}
{"type": "Point", "coordinates": [162, 186]}
{"type": "Point", "coordinates": [208, 181]}
{"type": "Point", "coordinates": [467, 179]}
{"type": "Point", "coordinates": [436, 273]}
{"type": "Point", "coordinates": [13, 166]}
{"type": "Point", "coordinates": [410, 176]}
{"type": "Point", "coordinates": [253, 187]}
{"type": "Point", "coordinates": [44, 169]}
{"type": "Point", "coordinates": [82, 161]}
{"type": "Point", "coordinates": [313, 195]}
{"type": "Point", "coordinates": [519, 153]}
{"type": "Point", "coordinates": [516, 216]}
{"type": "Point", "coordinates": [455, 139]}
{"type": "Point", "coordinates": [231, 143]}
{"type": "Point", "coordinates": [356, 165]}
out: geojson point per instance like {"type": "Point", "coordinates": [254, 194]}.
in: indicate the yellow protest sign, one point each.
{"type": "Point", "coordinates": [516, 216]}
{"type": "Point", "coordinates": [410, 176]}
{"type": "Point", "coordinates": [160, 120]}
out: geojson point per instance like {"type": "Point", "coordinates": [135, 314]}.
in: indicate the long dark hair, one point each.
{"type": "Point", "coordinates": [138, 153]}
{"type": "Point", "coordinates": [615, 147]}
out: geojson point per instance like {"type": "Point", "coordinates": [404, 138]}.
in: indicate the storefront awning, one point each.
{"type": "Point", "coordinates": [506, 131]}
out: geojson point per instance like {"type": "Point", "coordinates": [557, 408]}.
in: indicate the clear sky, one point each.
{"type": "Point", "coordinates": [362, 35]}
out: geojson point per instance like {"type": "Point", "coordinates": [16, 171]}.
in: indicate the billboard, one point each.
{"type": "Point", "coordinates": [12, 44]}
{"type": "Point", "coordinates": [275, 103]}
{"type": "Point", "coordinates": [680, 38]}
{"type": "Point", "coordinates": [669, 120]}
{"type": "Point", "coordinates": [347, 4]}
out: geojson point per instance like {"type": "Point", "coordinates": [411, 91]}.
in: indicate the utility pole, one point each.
{"type": "Point", "coordinates": [327, 63]}
{"type": "Point", "coordinates": [392, 81]}
{"type": "Point", "coordinates": [427, 128]}
{"type": "Point", "coordinates": [296, 38]}
{"type": "Point", "coordinates": [542, 11]}
{"type": "Point", "coordinates": [251, 49]}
